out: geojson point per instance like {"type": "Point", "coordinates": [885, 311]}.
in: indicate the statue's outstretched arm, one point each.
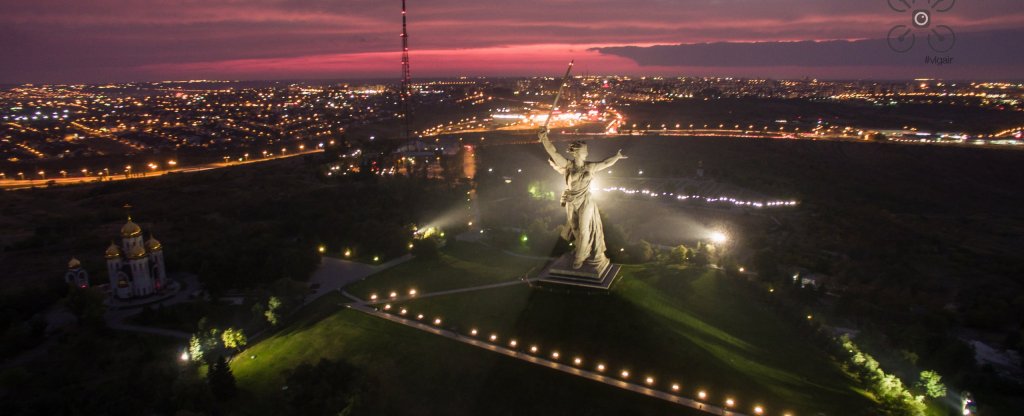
{"type": "Point", "coordinates": [607, 163]}
{"type": "Point", "coordinates": [556, 159]}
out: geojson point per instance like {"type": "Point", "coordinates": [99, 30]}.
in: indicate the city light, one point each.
{"type": "Point", "coordinates": [554, 355]}
{"type": "Point", "coordinates": [758, 410]}
{"type": "Point", "coordinates": [649, 380]}
{"type": "Point", "coordinates": [577, 361]}
{"type": "Point", "coordinates": [675, 387]}
{"type": "Point", "coordinates": [730, 402]}
{"type": "Point", "coordinates": [512, 343]}
{"type": "Point", "coordinates": [624, 373]}
{"type": "Point", "coordinates": [412, 292]}
{"type": "Point", "coordinates": [533, 348]}
{"type": "Point", "coordinates": [600, 368]}
{"type": "Point", "coordinates": [473, 332]}
{"type": "Point", "coordinates": [437, 321]}
{"type": "Point", "coordinates": [702, 395]}
{"type": "Point", "coordinates": [494, 337]}
{"type": "Point", "coordinates": [373, 296]}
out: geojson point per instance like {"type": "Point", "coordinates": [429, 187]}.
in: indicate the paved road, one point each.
{"type": "Point", "coordinates": [531, 358]}
{"type": "Point", "coordinates": [13, 184]}
{"type": "Point", "coordinates": [334, 274]}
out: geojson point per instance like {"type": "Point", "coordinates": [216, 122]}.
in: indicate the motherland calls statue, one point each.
{"type": "Point", "coordinates": [583, 227]}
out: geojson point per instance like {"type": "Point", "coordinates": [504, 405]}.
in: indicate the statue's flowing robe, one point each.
{"type": "Point", "coordinates": [583, 220]}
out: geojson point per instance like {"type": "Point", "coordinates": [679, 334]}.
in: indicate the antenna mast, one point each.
{"type": "Point", "coordinates": [406, 93]}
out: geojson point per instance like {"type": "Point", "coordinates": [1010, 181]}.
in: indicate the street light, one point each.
{"type": "Point", "coordinates": [719, 237]}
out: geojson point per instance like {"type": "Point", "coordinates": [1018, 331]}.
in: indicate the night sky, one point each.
{"type": "Point", "coordinates": [67, 41]}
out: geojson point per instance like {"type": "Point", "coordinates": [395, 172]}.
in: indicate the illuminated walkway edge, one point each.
{"type": "Point", "coordinates": [611, 381]}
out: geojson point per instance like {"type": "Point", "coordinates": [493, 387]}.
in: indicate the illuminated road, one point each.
{"type": "Point", "coordinates": [13, 184]}
{"type": "Point", "coordinates": [534, 359]}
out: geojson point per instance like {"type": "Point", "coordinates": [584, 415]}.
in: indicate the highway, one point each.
{"type": "Point", "coordinates": [14, 184]}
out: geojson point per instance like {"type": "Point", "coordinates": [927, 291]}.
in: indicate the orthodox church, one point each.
{"type": "Point", "coordinates": [76, 275]}
{"type": "Point", "coordinates": [135, 268]}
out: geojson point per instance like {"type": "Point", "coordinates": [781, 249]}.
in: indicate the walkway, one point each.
{"type": "Point", "coordinates": [334, 274]}
{"type": "Point", "coordinates": [531, 358]}
{"type": "Point", "coordinates": [441, 293]}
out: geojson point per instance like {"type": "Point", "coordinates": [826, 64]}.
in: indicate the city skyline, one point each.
{"type": "Point", "coordinates": [56, 41]}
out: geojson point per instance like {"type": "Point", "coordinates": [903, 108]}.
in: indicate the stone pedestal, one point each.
{"type": "Point", "coordinates": [594, 275]}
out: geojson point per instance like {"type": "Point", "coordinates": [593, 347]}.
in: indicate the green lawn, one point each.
{"type": "Point", "coordinates": [687, 326]}
{"type": "Point", "coordinates": [459, 265]}
{"type": "Point", "coordinates": [421, 374]}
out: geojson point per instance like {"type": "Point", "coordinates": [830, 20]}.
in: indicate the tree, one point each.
{"type": "Point", "coordinates": [327, 388]}
{"type": "Point", "coordinates": [701, 256]}
{"type": "Point", "coordinates": [931, 383]}
{"type": "Point", "coordinates": [86, 304]}
{"type": "Point", "coordinates": [679, 254]}
{"type": "Point", "coordinates": [195, 348]}
{"type": "Point", "coordinates": [234, 338]}
{"type": "Point", "coordinates": [271, 313]}
{"type": "Point", "coordinates": [221, 380]}
{"type": "Point", "coordinates": [190, 393]}
{"type": "Point", "coordinates": [426, 248]}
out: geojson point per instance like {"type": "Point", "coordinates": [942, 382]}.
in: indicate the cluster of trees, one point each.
{"type": "Point", "coordinates": [208, 342]}
{"type": "Point", "coordinates": [328, 388]}
{"type": "Point", "coordinates": [890, 391]}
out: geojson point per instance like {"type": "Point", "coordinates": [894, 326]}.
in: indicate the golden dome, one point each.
{"type": "Point", "coordinates": [74, 263]}
{"type": "Point", "coordinates": [130, 229]}
{"type": "Point", "coordinates": [113, 251]}
{"type": "Point", "coordinates": [137, 253]}
{"type": "Point", "coordinates": [153, 244]}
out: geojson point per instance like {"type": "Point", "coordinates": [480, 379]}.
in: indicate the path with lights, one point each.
{"type": "Point", "coordinates": [532, 355]}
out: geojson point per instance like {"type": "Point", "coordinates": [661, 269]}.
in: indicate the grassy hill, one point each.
{"type": "Point", "coordinates": [687, 326]}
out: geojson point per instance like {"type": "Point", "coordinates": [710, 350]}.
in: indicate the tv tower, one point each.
{"type": "Point", "coordinates": [406, 93]}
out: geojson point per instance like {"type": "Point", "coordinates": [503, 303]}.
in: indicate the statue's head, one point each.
{"type": "Point", "coordinates": [578, 149]}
